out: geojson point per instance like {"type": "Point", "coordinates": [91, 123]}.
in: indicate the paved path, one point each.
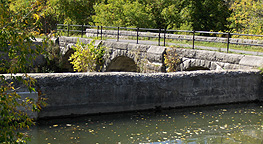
{"type": "Point", "coordinates": [185, 45]}
{"type": "Point", "coordinates": [190, 46]}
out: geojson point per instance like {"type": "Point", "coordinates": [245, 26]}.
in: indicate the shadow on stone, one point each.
{"type": "Point", "coordinates": [122, 64]}
{"type": "Point", "coordinates": [196, 68]}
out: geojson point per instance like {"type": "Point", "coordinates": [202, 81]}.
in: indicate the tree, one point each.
{"type": "Point", "coordinates": [246, 17]}
{"type": "Point", "coordinates": [169, 14]}
{"type": "Point", "coordinates": [132, 13]}
{"type": "Point", "coordinates": [165, 12]}
{"type": "Point", "coordinates": [206, 14]}
{"type": "Point", "coordinates": [16, 55]}
{"type": "Point", "coordinates": [110, 14]}
{"type": "Point", "coordinates": [71, 11]}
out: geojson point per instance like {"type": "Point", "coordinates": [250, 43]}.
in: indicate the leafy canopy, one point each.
{"type": "Point", "coordinates": [246, 17]}
{"type": "Point", "coordinates": [17, 52]}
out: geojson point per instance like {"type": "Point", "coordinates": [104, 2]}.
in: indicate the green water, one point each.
{"type": "Point", "coordinates": [231, 124]}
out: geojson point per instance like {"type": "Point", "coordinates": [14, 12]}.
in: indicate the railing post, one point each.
{"type": "Point", "coordinates": [159, 37]}
{"type": "Point", "coordinates": [98, 31]}
{"type": "Point", "coordinates": [228, 41]}
{"type": "Point", "coordinates": [118, 34]}
{"type": "Point", "coordinates": [194, 39]}
{"type": "Point", "coordinates": [101, 32]}
{"type": "Point", "coordinates": [82, 31]}
{"type": "Point", "coordinates": [137, 35]}
{"type": "Point", "coordinates": [164, 37]}
{"type": "Point", "coordinates": [68, 29]}
{"type": "Point", "coordinates": [45, 27]}
{"type": "Point", "coordinates": [56, 29]}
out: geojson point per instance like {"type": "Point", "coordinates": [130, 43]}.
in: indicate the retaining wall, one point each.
{"type": "Point", "coordinates": [217, 60]}
{"type": "Point", "coordinates": [92, 93]}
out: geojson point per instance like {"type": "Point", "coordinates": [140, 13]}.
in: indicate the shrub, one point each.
{"type": "Point", "coordinates": [171, 60]}
{"type": "Point", "coordinates": [87, 57]}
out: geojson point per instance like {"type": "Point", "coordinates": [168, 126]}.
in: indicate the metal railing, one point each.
{"type": "Point", "coordinates": [161, 34]}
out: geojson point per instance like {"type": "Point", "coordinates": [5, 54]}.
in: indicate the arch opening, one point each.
{"type": "Point", "coordinates": [122, 64]}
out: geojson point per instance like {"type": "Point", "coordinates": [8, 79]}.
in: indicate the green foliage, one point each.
{"type": "Point", "coordinates": [87, 57]}
{"type": "Point", "coordinates": [242, 16]}
{"type": "Point", "coordinates": [261, 70]}
{"type": "Point", "coordinates": [205, 15]}
{"type": "Point", "coordinates": [71, 11]}
{"type": "Point", "coordinates": [13, 117]}
{"type": "Point", "coordinates": [185, 14]}
{"type": "Point", "coordinates": [57, 11]}
{"type": "Point", "coordinates": [165, 13]}
{"type": "Point", "coordinates": [17, 52]}
{"type": "Point", "coordinates": [171, 60]}
{"type": "Point", "coordinates": [130, 13]}
{"type": "Point", "coordinates": [53, 58]}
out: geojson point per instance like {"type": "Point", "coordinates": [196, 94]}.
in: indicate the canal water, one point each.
{"type": "Point", "coordinates": [231, 124]}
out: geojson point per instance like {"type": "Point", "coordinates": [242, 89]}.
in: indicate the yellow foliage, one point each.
{"type": "Point", "coordinates": [36, 16]}
{"type": "Point", "coordinates": [87, 57]}
{"type": "Point", "coordinates": [171, 60]}
{"type": "Point", "coordinates": [246, 17]}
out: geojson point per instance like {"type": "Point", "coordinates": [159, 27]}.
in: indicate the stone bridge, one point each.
{"type": "Point", "coordinates": [70, 94]}
{"type": "Point", "coordinates": [131, 57]}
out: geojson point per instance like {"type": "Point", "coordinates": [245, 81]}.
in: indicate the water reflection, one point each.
{"type": "Point", "coordinates": [233, 124]}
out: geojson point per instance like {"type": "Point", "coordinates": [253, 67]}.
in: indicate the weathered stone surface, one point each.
{"type": "Point", "coordinates": [120, 45]}
{"type": "Point", "coordinates": [187, 53]}
{"type": "Point", "coordinates": [89, 93]}
{"type": "Point", "coordinates": [205, 55]}
{"type": "Point", "coordinates": [107, 44]}
{"type": "Point", "coordinates": [253, 61]}
{"type": "Point", "coordinates": [155, 53]}
{"type": "Point", "coordinates": [210, 55]}
{"type": "Point", "coordinates": [133, 47]}
{"type": "Point", "coordinates": [144, 48]}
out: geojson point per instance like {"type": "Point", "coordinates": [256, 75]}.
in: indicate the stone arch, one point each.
{"type": "Point", "coordinates": [122, 64]}
{"type": "Point", "coordinates": [197, 64]}
{"type": "Point", "coordinates": [67, 66]}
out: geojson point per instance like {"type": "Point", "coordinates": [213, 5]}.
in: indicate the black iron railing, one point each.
{"type": "Point", "coordinates": [157, 33]}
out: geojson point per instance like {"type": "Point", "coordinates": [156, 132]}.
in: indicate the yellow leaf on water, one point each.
{"type": "Point", "coordinates": [179, 133]}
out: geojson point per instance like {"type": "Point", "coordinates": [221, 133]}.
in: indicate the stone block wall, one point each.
{"type": "Point", "coordinates": [91, 93]}
{"type": "Point", "coordinates": [148, 57]}
{"type": "Point", "coordinates": [218, 60]}
{"type": "Point", "coordinates": [151, 58]}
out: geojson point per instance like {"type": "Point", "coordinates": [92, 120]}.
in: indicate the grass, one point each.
{"type": "Point", "coordinates": [222, 45]}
